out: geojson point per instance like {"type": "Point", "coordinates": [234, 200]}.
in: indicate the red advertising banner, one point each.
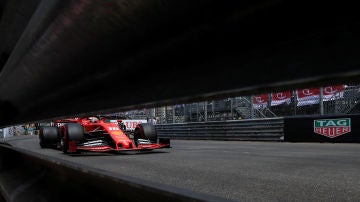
{"type": "Point", "coordinates": [333, 92]}
{"type": "Point", "coordinates": [280, 98]}
{"type": "Point", "coordinates": [260, 101]}
{"type": "Point", "coordinates": [308, 96]}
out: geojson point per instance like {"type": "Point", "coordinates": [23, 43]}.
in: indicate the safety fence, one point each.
{"type": "Point", "coordinates": [326, 100]}
{"type": "Point", "coordinates": [271, 129]}
{"type": "Point", "coordinates": [327, 128]}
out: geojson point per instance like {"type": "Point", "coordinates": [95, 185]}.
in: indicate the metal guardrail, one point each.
{"type": "Point", "coordinates": [249, 129]}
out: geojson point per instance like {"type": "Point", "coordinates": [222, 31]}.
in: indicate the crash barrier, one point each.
{"type": "Point", "coordinates": [331, 128]}
{"type": "Point", "coordinates": [249, 129]}
{"type": "Point", "coordinates": [27, 176]}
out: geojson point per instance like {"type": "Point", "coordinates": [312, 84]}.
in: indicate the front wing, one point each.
{"type": "Point", "coordinates": [147, 147]}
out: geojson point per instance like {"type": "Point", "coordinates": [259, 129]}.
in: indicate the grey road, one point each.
{"type": "Point", "coordinates": [236, 170]}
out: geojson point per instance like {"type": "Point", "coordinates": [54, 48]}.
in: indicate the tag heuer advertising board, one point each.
{"type": "Point", "coordinates": [332, 128]}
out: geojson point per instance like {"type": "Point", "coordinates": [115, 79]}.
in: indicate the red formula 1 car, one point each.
{"type": "Point", "coordinates": [99, 135]}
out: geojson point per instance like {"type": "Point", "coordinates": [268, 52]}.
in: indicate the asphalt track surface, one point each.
{"type": "Point", "coordinates": [236, 170]}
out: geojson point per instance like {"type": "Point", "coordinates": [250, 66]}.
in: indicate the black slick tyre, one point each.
{"type": "Point", "coordinates": [48, 136]}
{"type": "Point", "coordinates": [145, 131]}
{"type": "Point", "coordinates": [72, 132]}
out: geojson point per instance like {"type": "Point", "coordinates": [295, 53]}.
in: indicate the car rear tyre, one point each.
{"type": "Point", "coordinates": [72, 132]}
{"type": "Point", "coordinates": [48, 136]}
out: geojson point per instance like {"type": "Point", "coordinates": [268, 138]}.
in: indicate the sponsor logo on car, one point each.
{"type": "Point", "coordinates": [332, 128]}
{"type": "Point", "coordinates": [131, 124]}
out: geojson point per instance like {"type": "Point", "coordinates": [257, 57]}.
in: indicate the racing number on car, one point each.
{"type": "Point", "coordinates": [113, 128]}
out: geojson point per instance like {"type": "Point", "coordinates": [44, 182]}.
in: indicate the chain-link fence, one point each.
{"type": "Point", "coordinates": [337, 99]}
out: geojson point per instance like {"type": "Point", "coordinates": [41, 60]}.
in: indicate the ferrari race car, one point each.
{"type": "Point", "coordinates": [99, 135]}
{"type": "Point", "coordinates": [126, 123]}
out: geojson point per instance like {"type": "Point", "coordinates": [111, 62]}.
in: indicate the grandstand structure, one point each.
{"type": "Point", "coordinates": [342, 99]}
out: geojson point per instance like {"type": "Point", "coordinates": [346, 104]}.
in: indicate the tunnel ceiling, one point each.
{"type": "Point", "coordinates": [65, 58]}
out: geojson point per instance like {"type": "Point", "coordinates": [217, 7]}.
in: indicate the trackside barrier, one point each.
{"type": "Point", "coordinates": [27, 176]}
{"type": "Point", "coordinates": [250, 129]}
{"type": "Point", "coordinates": [330, 128]}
